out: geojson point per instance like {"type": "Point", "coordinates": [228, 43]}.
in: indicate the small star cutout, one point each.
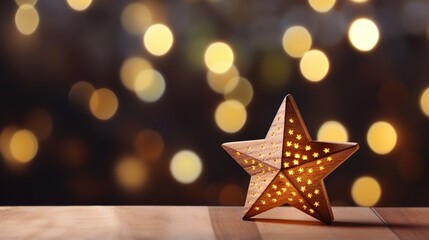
{"type": "Point", "coordinates": [289, 181]}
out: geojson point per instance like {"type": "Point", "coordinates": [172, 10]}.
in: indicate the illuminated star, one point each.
{"type": "Point", "coordinates": [280, 174]}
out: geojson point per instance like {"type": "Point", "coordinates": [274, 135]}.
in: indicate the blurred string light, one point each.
{"type": "Point", "coordinates": [148, 144]}
{"type": "Point", "coordinates": [231, 195]}
{"type": "Point", "coordinates": [223, 82]}
{"type": "Point", "coordinates": [158, 39]}
{"type": "Point", "coordinates": [149, 85]}
{"type": "Point", "coordinates": [23, 146]}
{"type": "Point", "coordinates": [381, 137]}
{"type": "Point", "coordinates": [186, 166]}
{"type": "Point", "coordinates": [363, 34]}
{"type": "Point", "coordinates": [366, 191]}
{"type": "Point", "coordinates": [424, 102]}
{"type": "Point", "coordinates": [131, 173]}
{"type": "Point", "coordinates": [26, 19]}
{"type": "Point", "coordinates": [332, 131]}
{"type": "Point", "coordinates": [39, 121]}
{"type": "Point", "coordinates": [296, 41]}
{"type": "Point", "coordinates": [103, 104]}
{"type": "Point", "coordinates": [79, 5]}
{"type": "Point", "coordinates": [314, 65]}
{"type": "Point", "coordinates": [5, 137]}
{"type": "Point", "coordinates": [80, 93]}
{"type": "Point", "coordinates": [242, 92]}
{"type": "Point", "coordinates": [230, 116]}
{"type": "Point", "coordinates": [219, 57]}
{"type": "Point", "coordinates": [136, 18]}
{"type": "Point", "coordinates": [22, 2]}
{"type": "Point", "coordinates": [131, 68]}
{"type": "Point", "coordinates": [322, 5]}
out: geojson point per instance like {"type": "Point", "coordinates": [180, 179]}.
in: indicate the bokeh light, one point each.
{"type": "Point", "coordinates": [131, 68]}
{"type": "Point", "coordinates": [23, 146]}
{"type": "Point", "coordinates": [296, 41]}
{"type": "Point", "coordinates": [136, 18]}
{"type": "Point", "coordinates": [363, 34]}
{"type": "Point", "coordinates": [230, 116]}
{"type": "Point", "coordinates": [366, 191]}
{"type": "Point", "coordinates": [158, 39]}
{"type": "Point", "coordinates": [314, 65]}
{"type": "Point", "coordinates": [219, 57]}
{"type": "Point", "coordinates": [149, 85]}
{"type": "Point", "coordinates": [40, 122]}
{"type": "Point", "coordinates": [80, 93]}
{"type": "Point", "coordinates": [231, 195]}
{"type": "Point", "coordinates": [131, 173]}
{"type": "Point", "coordinates": [219, 82]}
{"type": "Point", "coordinates": [22, 2]}
{"type": "Point", "coordinates": [242, 92]}
{"type": "Point", "coordinates": [103, 104]}
{"type": "Point", "coordinates": [26, 19]}
{"type": "Point", "coordinates": [79, 5]}
{"type": "Point", "coordinates": [322, 5]}
{"type": "Point", "coordinates": [424, 102]}
{"type": "Point", "coordinates": [186, 166]}
{"type": "Point", "coordinates": [381, 137]}
{"type": "Point", "coordinates": [359, 1]}
{"type": "Point", "coordinates": [332, 131]}
{"type": "Point", "coordinates": [5, 137]}
{"type": "Point", "coordinates": [148, 144]}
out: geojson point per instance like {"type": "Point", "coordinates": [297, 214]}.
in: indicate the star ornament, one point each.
{"type": "Point", "coordinates": [288, 167]}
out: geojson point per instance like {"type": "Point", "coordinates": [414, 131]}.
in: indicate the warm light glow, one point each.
{"type": "Point", "coordinates": [80, 93]}
{"type": "Point", "coordinates": [23, 146]}
{"type": "Point", "coordinates": [26, 19]}
{"type": "Point", "coordinates": [296, 41]}
{"type": "Point", "coordinates": [103, 104]}
{"type": "Point", "coordinates": [332, 131]}
{"type": "Point", "coordinates": [219, 57]}
{"type": "Point", "coordinates": [424, 102]}
{"type": "Point", "coordinates": [314, 65]}
{"type": "Point", "coordinates": [366, 191]}
{"type": "Point", "coordinates": [148, 144]}
{"type": "Point", "coordinates": [39, 121]}
{"type": "Point", "coordinates": [363, 34]}
{"type": "Point", "coordinates": [149, 85]}
{"type": "Point", "coordinates": [231, 195]}
{"type": "Point", "coordinates": [131, 173]}
{"type": "Point", "coordinates": [22, 2]}
{"type": "Point", "coordinates": [131, 68]}
{"type": "Point", "coordinates": [321, 5]}
{"type": "Point", "coordinates": [381, 137]}
{"type": "Point", "coordinates": [136, 18]}
{"type": "Point", "coordinates": [359, 1]}
{"type": "Point", "coordinates": [218, 82]}
{"type": "Point", "coordinates": [186, 166]}
{"type": "Point", "coordinates": [5, 137]}
{"type": "Point", "coordinates": [230, 116]}
{"type": "Point", "coordinates": [79, 5]}
{"type": "Point", "coordinates": [242, 92]}
{"type": "Point", "coordinates": [158, 39]}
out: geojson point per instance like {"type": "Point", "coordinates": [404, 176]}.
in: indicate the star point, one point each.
{"type": "Point", "coordinates": [288, 180]}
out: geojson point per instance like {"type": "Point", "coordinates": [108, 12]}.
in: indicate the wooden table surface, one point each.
{"type": "Point", "coordinates": [194, 222]}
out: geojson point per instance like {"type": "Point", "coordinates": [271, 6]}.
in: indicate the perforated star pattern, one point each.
{"type": "Point", "coordinates": [288, 167]}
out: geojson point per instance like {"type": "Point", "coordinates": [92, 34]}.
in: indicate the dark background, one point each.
{"type": "Point", "coordinates": [37, 72]}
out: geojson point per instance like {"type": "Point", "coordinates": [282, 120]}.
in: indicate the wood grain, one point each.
{"type": "Point", "coordinates": [406, 223]}
{"type": "Point", "coordinates": [194, 222]}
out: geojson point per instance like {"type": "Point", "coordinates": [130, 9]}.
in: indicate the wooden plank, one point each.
{"type": "Point", "coordinates": [105, 222]}
{"type": "Point", "coordinates": [349, 223]}
{"type": "Point", "coordinates": [227, 224]}
{"type": "Point", "coordinates": [406, 223]}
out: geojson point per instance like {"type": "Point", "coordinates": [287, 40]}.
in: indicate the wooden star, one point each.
{"type": "Point", "coordinates": [288, 167]}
